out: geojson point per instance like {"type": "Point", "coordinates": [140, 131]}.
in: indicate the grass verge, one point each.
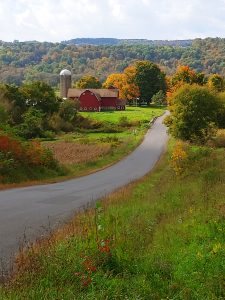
{"type": "Point", "coordinates": [159, 238]}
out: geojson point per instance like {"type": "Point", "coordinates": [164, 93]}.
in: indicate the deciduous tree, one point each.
{"type": "Point", "coordinates": [149, 79]}
{"type": "Point", "coordinates": [216, 82]}
{"type": "Point", "coordinates": [88, 81]}
{"type": "Point", "coordinates": [41, 96]}
{"type": "Point", "coordinates": [194, 113]}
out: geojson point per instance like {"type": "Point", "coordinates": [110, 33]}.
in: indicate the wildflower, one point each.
{"type": "Point", "coordinates": [86, 281]}
{"type": "Point", "coordinates": [178, 158]}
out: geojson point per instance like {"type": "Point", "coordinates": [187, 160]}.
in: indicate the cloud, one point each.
{"type": "Point", "coordinates": [64, 19]}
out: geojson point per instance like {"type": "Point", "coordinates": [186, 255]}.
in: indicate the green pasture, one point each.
{"type": "Point", "coordinates": [133, 114]}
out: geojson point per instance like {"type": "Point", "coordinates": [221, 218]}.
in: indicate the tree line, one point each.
{"type": "Point", "coordinates": [27, 61]}
{"type": "Point", "coordinates": [34, 110]}
{"type": "Point", "coordinates": [196, 101]}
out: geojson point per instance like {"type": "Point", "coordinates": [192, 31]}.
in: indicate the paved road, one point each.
{"type": "Point", "coordinates": [31, 209]}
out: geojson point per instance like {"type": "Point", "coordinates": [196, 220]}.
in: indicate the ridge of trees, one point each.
{"type": "Point", "coordinates": [32, 61]}
{"type": "Point", "coordinates": [114, 41]}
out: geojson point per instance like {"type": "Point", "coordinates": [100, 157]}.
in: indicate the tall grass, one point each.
{"type": "Point", "coordinates": [159, 238]}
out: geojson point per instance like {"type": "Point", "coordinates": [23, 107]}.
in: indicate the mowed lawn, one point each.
{"type": "Point", "coordinates": [142, 114]}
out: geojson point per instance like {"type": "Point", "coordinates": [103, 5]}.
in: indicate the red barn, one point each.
{"type": "Point", "coordinates": [97, 99]}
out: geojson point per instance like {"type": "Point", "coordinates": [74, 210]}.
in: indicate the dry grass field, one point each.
{"type": "Point", "coordinates": [68, 153]}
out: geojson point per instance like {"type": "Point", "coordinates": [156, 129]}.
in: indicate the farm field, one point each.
{"type": "Point", "coordinates": [96, 143]}
{"type": "Point", "coordinates": [89, 150]}
{"type": "Point", "coordinates": [159, 238]}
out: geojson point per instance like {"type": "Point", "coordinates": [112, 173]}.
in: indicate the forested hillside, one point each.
{"type": "Point", "coordinates": [112, 41]}
{"type": "Point", "coordinates": [28, 61]}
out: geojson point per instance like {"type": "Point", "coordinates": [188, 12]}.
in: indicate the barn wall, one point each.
{"type": "Point", "coordinates": [108, 103]}
{"type": "Point", "coordinates": [89, 102]}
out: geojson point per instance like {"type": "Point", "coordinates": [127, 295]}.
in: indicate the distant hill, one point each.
{"type": "Point", "coordinates": [32, 60]}
{"type": "Point", "coordinates": [113, 42]}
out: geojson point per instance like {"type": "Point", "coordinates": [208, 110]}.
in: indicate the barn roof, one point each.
{"type": "Point", "coordinates": [109, 93]}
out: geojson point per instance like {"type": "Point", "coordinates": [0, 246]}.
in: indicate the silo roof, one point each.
{"type": "Point", "coordinates": [65, 72]}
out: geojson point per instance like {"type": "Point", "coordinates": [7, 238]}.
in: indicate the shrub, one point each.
{"type": "Point", "coordinates": [194, 113]}
{"type": "Point", "coordinates": [16, 155]}
{"type": "Point", "coordinates": [3, 115]}
{"type": "Point", "coordinates": [219, 139]}
{"type": "Point", "coordinates": [68, 110]}
{"type": "Point", "coordinates": [159, 98]}
{"type": "Point", "coordinates": [48, 135]}
{"type": "Point", "coordinates": [33, 124]}
{"type": "Point", "coordinates": [123, 121]}
{"type": "Point", "coordinates": [179, 158]}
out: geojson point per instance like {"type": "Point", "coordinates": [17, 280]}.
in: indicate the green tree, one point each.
{"type": "Point", "coordinates": [41, 96]}
{"type": "Point", "coordinates": [159, 98]}
{"type": "Point", "coordinates": [13, 99]}
{"type": "Point", "coordinates": [3, 115]}
{"type": "Point", "coordinates": [33, 123]}
{"type": "Point", "coordinates": [221, 114]}
{"type": "Point", "coordinates": [194, 113]}
{"type": "Point", "coordinates": [68, 110]}
{"type": "Point", "coordinates": [149, 79]}
{"type": "Point", "coordinates": [88, 81]}
{"type": "Point", "coordinates": [185, 74]}
{"type": "Point", "coordinates": [216, 82]}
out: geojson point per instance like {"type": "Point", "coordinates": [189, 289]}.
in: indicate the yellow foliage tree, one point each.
{"type": "Point", "coordinates": [216, 82]}
{"type": "Point", "coordinates": [124, 82]}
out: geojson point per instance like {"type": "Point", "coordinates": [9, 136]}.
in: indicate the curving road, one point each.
{"type": "Point", "coordinates": [30, 210]}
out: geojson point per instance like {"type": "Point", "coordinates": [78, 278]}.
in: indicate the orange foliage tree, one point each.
{"type": "Point", "coordinates": [124, 82]}
{"type": "Point", "coordinates": [183, 75]}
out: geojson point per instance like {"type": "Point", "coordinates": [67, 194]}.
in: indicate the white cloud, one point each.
{"type": "Point", "coordinates": [64, 19]}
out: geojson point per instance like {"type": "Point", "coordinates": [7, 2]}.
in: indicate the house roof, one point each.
{"type": "Point", "coordinates": [109, 93]}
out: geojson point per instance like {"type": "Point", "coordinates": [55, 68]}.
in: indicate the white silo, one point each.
{"type": "Point", "coordinates": [65, 82]}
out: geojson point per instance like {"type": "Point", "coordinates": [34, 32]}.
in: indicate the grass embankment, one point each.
{"type": "Point", "coordinates": [159, 238]}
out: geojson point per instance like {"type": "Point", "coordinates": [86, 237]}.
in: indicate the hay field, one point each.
{"type": "Point", "coordinates": [69, 153]}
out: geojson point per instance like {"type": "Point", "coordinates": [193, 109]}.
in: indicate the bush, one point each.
{"type": "Point", "coordinates": [3, 115]}
{"type": "Point", "coordinates": [123, 121]}
{"type": "Point", "coordinates": [221, 113]}
{"type": "Point", "coordinates": [194, 113]}
{"type": "Point", "coordinates": [219, 139]}
{"type": "Point", "coordinates": [16, 156]}
{"type": "Point", "coordinates": [159, 98]}
{"type": "Point", "coordinates": [68, 110]}
{"type": "Point", "coordinates": [33, 124]}
{"type": "Point", "coordinates": [48, 135]}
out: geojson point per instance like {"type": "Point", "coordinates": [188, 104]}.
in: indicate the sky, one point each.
{"type": "Point", "coordinates": [58, 20]}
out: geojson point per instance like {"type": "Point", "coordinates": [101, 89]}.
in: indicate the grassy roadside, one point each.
{"type": "Point", "coordinates": [159, 238]}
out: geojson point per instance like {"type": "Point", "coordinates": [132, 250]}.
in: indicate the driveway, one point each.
{"type": "Point", "coordinates": [27, 212]}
